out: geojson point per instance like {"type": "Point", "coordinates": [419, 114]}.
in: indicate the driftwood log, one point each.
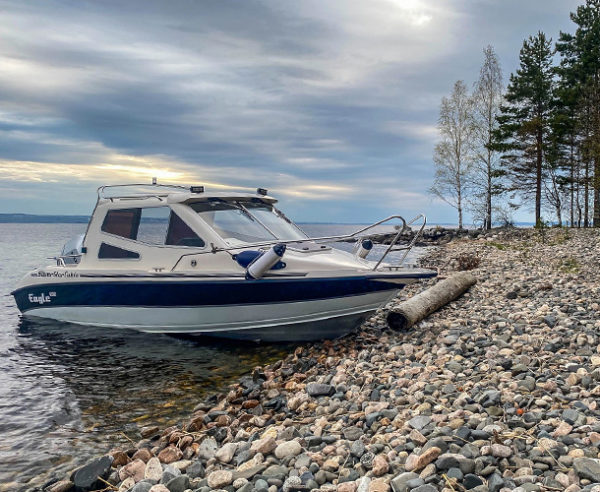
{"type": "Point", "coordinates": [407, 313]}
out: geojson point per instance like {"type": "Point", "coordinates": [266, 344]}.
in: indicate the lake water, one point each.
{"type": "Point", "coordinates": [68, 392]}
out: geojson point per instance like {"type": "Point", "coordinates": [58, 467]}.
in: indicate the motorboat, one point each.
{"type": "Point", "coordinates": [185, 260]}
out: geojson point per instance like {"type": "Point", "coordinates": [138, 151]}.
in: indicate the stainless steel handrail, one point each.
{"type": "Point", "coordinates": [101, 189]}
{"type": "Point", "coordinates": [321, 239]}
{"type": "Point", "coordinates": [409, 246]}
{"type": "Point", "coordinates": [328, 239]}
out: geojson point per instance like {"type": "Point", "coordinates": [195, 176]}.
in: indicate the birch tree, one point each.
{"type": "Point", "coordinates": [487, 98]}
{"type": "Point", "coordinates": [453, 155]}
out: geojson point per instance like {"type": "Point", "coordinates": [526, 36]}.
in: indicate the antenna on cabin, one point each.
{"type": "Point", "coordinates": [154, 180]}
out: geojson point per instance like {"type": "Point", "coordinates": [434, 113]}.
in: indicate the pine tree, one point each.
{"type": "Point", "coordinates": [524, 123]}
{"type": "Point", "coordinates": [580, 69]}
{"type": "Point", "coordinates": [565, 153]}
{"type": "Point", "coordinates": [453, 155]}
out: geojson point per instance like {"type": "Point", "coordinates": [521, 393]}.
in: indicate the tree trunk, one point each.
{"type": "Point", "coordinates": [596, 191]}
{"type": "Point", "coordinates": [538, 177]}
{"type": "Point", "coordinates": [572, 184]}
{"type": "Point", "coordinates": [586, 196]}
{"type": "Point", "coordinates": [407, 313]}
{"type": "Point", "coordinates": [488, 205]}
{"type": "Point", "coordinates": [459, 206]}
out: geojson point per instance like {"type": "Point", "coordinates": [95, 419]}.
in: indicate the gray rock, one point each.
{"type": "Point", "coordinates": [169, 473]}
{"type": "Point", "coordinates": [246, 487]}
{"type": "Point", "coordinates": [437, 442]}
{"type": "Point", "coordinates": [302, 460]}
{"type": "Point", "coordinates": [318, 389]}
{"type": "Point", "coordinates": [400, 482]}
{"type": "Point", "coordinates": [142, 487]}
{"type": "Point", "coordinates": [276, 471]}
{"type": "Point", "coordinates": [455, 473]}
{"type": "Point", "coordinates": [372, 418]}
{"type": "Point", "coordinates": [352, 433]}
{"type": "Point", "coordinates": [357, 449]}
{"type": "Point", "coordinates": [86, 477]}
{"type": "Point", "coordinates": [419, 421]}
{"type": "Point", "coordinates": [571, 416]}
{"type": "Point", "coordinates": [450, 339]}
{"type": "Point", "coordinates": [414, 483]}
{"type": "Point", "coordinates": [321, 477]}
{"type": "Point", "coordinates": [495, 482]}
{"type": "Point", "coordinates": [178, 484]}
{"type": "Point", "coordinates": [454, 367]}
{"type": "Point", "coordinates": [471, 481]}
{"type": "Point", "coordinates": [453, 460]}
{"type": "Point", "coordinates": [587, 468]}
{"type": "Point", "coordinates": [207, 448]}
{"type": "Point", "coordinates": [249, 472]}
{"type": "Point", "coordinates": [489, 398]}
{"type": "Point", "coordinates": [363, 485]}
{"type": "Point", "coordinates": [530, 487]}
{"type": "Point", "coordinates": [195, 470]}
{"type": "Point", "coordinates": [261, 484]}
{"type": "Point", "coordinates": [425, 488]}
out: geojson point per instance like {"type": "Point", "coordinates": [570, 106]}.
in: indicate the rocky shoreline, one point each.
{"type": "Point", "coordinates": [498, 391]}
{"type": "Point", "coordinates": [432, 236]}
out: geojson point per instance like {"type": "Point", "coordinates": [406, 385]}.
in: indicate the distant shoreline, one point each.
{"type": "Point", "coordinates": [43, 219]}
{"type": "Point", "coordinates": [18, 218]}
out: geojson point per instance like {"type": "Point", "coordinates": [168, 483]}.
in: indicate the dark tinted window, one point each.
{"type": "Point", "coordinates": [122, 223]}
{"type": "Point", "coordinates": [180, 234]}
{"type": "Point", "coordinates": [111, 252]}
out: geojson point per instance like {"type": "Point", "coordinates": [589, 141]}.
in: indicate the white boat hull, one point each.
{"type": "Point", "coordinates": [307, 320]}
{"type": "Point", "coordinates": [272, 309]}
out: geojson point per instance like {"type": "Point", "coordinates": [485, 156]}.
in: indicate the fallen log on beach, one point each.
{"type": "Point", "coordinates": [407, 313]}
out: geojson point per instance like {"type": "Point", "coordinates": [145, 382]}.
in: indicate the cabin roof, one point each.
{"type": "Point", "coordinates": [174, 194]}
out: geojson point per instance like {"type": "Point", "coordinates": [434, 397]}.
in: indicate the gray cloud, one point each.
{"type": "Point", "coordinates": [284, 95]}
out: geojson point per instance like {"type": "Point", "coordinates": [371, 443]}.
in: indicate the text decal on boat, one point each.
{"type": "Point", "coordinates": [42, 298]}
{"type": "Point", "coordinates": [41, 273]}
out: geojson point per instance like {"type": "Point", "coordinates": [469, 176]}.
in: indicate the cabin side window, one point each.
{"type": "Point", "coordinates": [122, 222]}
{"type": "Point", "coordinates": [154, 222]}
{"type": "Point", "coordinates": [180, 234]}
{"type": "Point", "coordinates": [110, 252]}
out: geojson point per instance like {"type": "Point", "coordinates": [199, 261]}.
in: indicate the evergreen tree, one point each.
{"type": "Point", "coordinates": [453, 155]}
{"type": "Point", "coordinates": [565, 145]}
{"type": "Point", "coordinates": [580, 69]}
{"type": "Point", "coordinates": [524, 123]}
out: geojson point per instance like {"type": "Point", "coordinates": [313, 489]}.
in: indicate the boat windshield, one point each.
{"type": "Point", "coordinates": [278, 225]}
{"type": "Point", "coordinates": [245, 222]}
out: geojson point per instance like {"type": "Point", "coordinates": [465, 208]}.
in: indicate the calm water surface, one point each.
{"type": "Point", "coordinates": [69, 392]}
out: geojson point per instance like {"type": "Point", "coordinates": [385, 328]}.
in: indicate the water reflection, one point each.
{"type": "Point", "coordinates": [84, 389]}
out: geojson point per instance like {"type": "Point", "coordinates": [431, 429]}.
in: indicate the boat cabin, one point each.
{"type": "Point", "coordinates": [173, 229]}
{"type": "Point", "coordinates": [176, 228]}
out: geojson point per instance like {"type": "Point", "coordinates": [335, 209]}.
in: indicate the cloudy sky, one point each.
{"type": "Point", "coordinates": [331, 105]}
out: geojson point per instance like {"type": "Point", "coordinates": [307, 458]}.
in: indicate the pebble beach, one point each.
{"type": "Point", "coordinates": [497, 391]}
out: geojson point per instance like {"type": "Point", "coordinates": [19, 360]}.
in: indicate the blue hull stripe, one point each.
{"type": "Point", "coordinates": [195, 293]}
